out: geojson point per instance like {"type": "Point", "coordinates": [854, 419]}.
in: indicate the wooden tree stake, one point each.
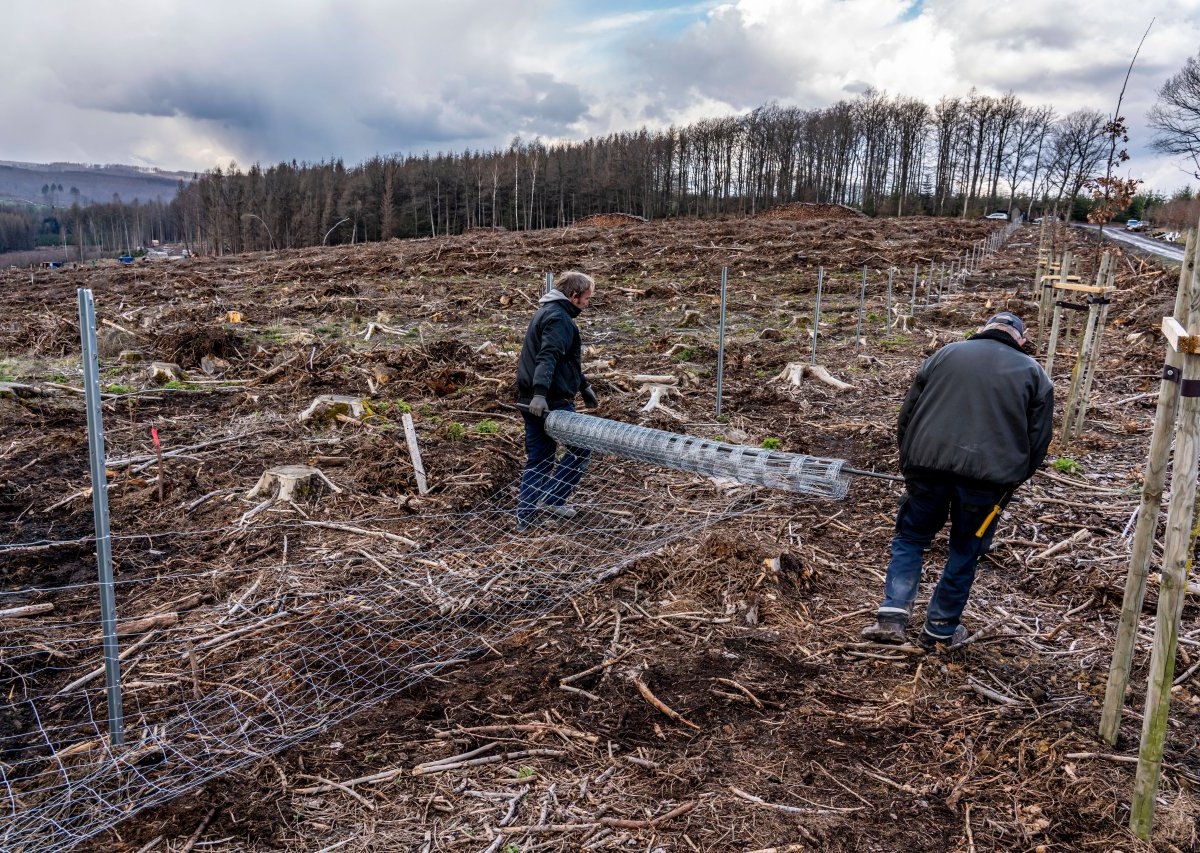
{"type": "Point", "coordinates": [1172, 592]}
{"type": "Point", "coordinates": [410, 434]}
{"type": "Point", "coordinates": [1147, 520]}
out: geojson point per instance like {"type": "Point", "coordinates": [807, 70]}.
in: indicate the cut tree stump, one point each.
{"type": "Point", "coordinates": [797, 370]}
{"type": "Point", "coordinates": [162, 372]}
{"type": "Point", "coordinates": [329, 406]}
{"type": "Point", "coordinates": [901, 322]}
{"type": "Point", "coordinates": [286, 482]}
{"type": "Point", "coordinates": [657, 393]}
{"type": "Point", "coordinates": [212, 365]}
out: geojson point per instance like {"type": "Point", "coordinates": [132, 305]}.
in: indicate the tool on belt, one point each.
{"type": "Point", "coordinates": [996, 510]}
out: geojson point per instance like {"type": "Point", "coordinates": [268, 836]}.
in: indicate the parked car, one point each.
{"type": "Point", "coordinates": [999, 214]}
{"type": "Point", "coordinates": [1134, 225]}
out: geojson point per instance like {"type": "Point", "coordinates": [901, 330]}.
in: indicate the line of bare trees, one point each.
{"type": "Point", "coordinates": [109, 228]}
{"type": "Point", "coordinates": [886, 155]}
{"type": "Point", "coordinates": [889, 156]}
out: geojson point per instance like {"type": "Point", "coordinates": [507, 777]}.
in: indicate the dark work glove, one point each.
{"type": "Point", "coordinates": [589, 397]}
{"type": "Point", "coordinates": [538, 407]}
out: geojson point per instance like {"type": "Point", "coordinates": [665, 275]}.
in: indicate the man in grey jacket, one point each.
{"type": "Point", "coordinates": [549, 375]}
{"type": "Point", "coordinates": [974, 426]}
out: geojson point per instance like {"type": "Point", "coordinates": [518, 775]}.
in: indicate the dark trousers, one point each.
{"type": "Point", "coordinates": [923, 511]}
{"type": "Point", "coordinates": [542, 481]}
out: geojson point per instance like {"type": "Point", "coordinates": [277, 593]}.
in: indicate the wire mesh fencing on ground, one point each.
{"type": "Point", "coordinates": [234, 662]}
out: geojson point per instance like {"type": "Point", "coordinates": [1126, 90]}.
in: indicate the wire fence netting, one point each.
{"type": "Point", "coordinates": [226, 664]}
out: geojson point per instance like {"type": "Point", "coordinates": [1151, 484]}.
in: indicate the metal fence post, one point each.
{"type": "Point", "coordinates": [887, 315]}
{"type": "Point", "coordinates": [862, 302]}
{"type": "Point", "coordinates": [95, 431]}
{"type": "Point", "coordinates": [816, 328]}
{"type": "Point", "coordinates": [549, 282]}
{"type": "Point", "coordinates": [721, 339]}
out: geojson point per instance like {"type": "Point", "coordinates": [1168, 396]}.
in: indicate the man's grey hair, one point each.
{"type": "Point", "coordinates": [574, 283]}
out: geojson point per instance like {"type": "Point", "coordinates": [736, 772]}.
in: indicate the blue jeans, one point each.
{"type": "Point", "coordinates": [543, 482]}
{"type": "Point", "coordinates": [923, 512]}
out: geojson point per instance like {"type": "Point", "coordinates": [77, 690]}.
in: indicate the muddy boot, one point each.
{"type": "Point", "coordinates": [887, 629]}
{"type": "Point", "coordinates": [929, 642]}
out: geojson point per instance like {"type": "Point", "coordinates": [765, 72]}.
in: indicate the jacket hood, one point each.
{"type": "Point", "coordinates": [557, 296]}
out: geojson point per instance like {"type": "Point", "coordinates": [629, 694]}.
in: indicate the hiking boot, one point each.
{"type": "Point", "coordinates": [886, 630]}
{"type": "Point", "coordinates": [559, 510]}
{"type": "Point", "coordinates": [929, 641]}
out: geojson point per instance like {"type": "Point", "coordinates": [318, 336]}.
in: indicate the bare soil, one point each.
{"type": "Point", "coordinates": [788, 733]}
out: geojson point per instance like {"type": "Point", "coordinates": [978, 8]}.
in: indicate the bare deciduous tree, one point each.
{"type": "Point", "coordinates": [1176, 114]}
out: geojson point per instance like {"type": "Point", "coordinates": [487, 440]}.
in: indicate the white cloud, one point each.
{"type": "Point", "coordinates": [180, 84]}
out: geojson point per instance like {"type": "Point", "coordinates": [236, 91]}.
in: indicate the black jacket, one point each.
{"type": "Point", "coordinates": [551, 359]}
{"type": "Point", "coordinates": [979, 409]}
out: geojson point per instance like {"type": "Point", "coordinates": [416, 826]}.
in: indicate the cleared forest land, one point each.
{"type": "Point", "coordinates": [742, 620]}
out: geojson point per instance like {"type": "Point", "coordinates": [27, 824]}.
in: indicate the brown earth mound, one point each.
{"type": "Point", "coordinates": [800, 211]}
{"type": "Point", "coordinates": [608, 220]}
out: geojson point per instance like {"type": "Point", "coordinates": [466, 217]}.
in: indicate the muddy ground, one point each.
{"type": "Point", "coordinates": [783, 732]}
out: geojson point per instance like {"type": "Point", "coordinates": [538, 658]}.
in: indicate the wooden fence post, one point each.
{"type": "Point", "coordinates": [1174, 574]}
{"type": "Point", "coordinates": [1147, 520]}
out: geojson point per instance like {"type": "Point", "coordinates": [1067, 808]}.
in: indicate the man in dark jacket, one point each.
{"type": "Point", "coordinates": [549, 375]}
{"type": "Point", "coordinates": [975, 425]}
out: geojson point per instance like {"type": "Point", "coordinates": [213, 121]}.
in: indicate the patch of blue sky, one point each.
{"type": "Point", "coordinates": [913, 11]}
{"type": "Point", "coordinates": [620, 17]}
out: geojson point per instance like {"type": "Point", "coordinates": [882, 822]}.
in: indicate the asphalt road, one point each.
{"type": "Point", "coordinates": [1158, 248]}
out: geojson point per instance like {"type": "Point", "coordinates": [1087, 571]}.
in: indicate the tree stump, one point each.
{"type": "Point", "coordinates": [162, 372]}
{"type": "Point", "coordinates": [326, 407]}
{"type": "Point", "coordinates": [212, 365]}
{"type": "Point", "coordinates": [286, 482]}
{"type": "Point", "coordinates": [657, 393]}
{"type": "Point", "coordinates": [901, 322]}
{"type": "Point", "coordinates": [797, 370]}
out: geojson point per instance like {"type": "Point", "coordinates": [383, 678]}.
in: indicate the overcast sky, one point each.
{"type": "Point", "coordinates": [190, 85]}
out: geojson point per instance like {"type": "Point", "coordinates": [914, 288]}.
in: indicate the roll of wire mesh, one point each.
{"type": "Point", "coordinates": [790, 472]}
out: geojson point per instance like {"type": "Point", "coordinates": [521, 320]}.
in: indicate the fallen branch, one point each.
{"type": "Point", "coordinates": [329, 785]}
{"type": "Point", "coordinates": [602, 665]}
{"type": "Point", "coordinates": [1074, 539]}
{"type": "Point", "coordinates": [339, 786]}
{"type": "Point", "coordinates": [138, 626]}
{"type": "Point", "coordinates": [759, 801]}
{"type": "Point", "coordinates": [660, 705]}
{"type": "Point", "coordinates": [98, 671]}
{"type": "Point", "coordinates": [988, 693]}
{"type": "Point", "coordinates": [26, 610]}
{"type": "Point", "coordinates": [350, 528]}
{"type": "Point", "coordinates": [426, 770]}
{"type": "Point", "coordinates": [620, 823]}
{"type": "Point", "coordinates": [275, 371]}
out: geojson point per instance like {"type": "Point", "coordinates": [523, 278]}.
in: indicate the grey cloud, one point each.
{"type": "Point", "coordinates": [719, 58]}
{"type": "Point", "coordinates": [183, 95]}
